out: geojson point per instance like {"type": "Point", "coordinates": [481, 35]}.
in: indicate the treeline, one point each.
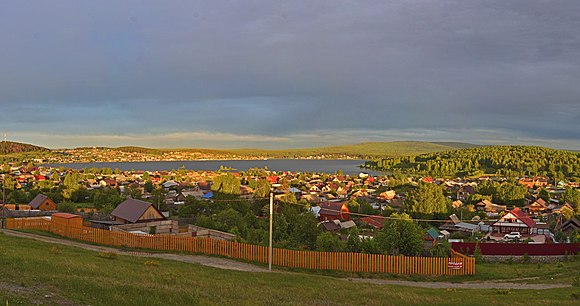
{"type": "Point", "coordinates": [510, 161]}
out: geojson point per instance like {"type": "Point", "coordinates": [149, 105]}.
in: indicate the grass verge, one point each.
{"type": "Point", "coordinates": [33, 272]}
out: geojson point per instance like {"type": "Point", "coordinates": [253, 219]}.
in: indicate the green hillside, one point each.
{"type": "Point", "coordinates": [35, 273]}
{"type": "Point", "coordinates": [501, 160]}
{"type": "Point", "coordinates": [362, 150]}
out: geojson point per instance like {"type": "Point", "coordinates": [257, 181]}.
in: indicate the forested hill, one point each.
{"type": "Point", "coordinates": [501, 160]}
{"type": "Point", "coordinates": [10, 147]}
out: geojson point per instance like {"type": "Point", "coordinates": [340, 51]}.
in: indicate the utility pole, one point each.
{"type": "Point", "coordinates": [3, 181]}
{"type": "Point", "coordinates": [270, 240]}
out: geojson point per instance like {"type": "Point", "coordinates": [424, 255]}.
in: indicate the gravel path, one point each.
{"type": "Point", "coordinates": [229, 264]}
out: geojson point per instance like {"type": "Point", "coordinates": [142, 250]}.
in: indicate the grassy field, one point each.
{"type": "Point", "coordinates": [34, 272]}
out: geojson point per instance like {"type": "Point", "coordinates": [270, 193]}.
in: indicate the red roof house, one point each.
{"type": "Point", "coordinates": [334, 211]}
{"type": "Point", "coordinates": [514, 221]}
{"type": "Point", "coordinates": [374, 221]}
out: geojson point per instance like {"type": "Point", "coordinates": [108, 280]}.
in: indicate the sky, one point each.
{"type": "Point", "coordinates": [285, 74]}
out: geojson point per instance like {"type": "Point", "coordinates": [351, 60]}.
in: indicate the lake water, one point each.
{"type": "Point", "coordinates": [295, 165]}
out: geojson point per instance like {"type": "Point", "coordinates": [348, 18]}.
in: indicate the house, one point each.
{"type": "Point", "coordinates": [430, 238]}
{"type": "Point", "coordinates": [387, 195]}
{"type": "Point", "coordinates": [537, 181]}
{"type": "Point", "coordinates": [490, 207]}
{"type": "Point", "coordinates": [375, 221]}
{"type": "Point", "coordinates": [514, 221]}
{"type": "Point", "coordinates": [136, 211]}
{"type": "Point", "coordinates": [456, 204]}
{"type": "Point", "coordinates": [42, 202]}
{"type": "Point", "coordinates": [538, 207]}
{"type": "Point", "coordinates": [109, 183]}
{"type": "Point", "coordinates": [169, 184]}
{"type": "Point", "coordinates": [330, 226]}
{"type": "Point", "coordinates": [334, 211]}
{"type": "Point", "coordinates": [569, 226]}
{"type": "Point", "coordinates": [456, 225]}
{"type": "Point", "coordinates": [186, 193]}
{"type": "Point", "coordinates": [464, 192]}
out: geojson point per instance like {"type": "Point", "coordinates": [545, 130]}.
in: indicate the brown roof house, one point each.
{"type": "Point", "coordinates": [42, 202]}
{"type": "Point", "coordinates": [136, 211]}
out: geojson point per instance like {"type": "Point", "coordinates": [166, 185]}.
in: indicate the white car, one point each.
{"type": "Point", "coordinates": [512, 236]}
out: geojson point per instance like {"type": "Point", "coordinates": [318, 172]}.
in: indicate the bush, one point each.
{"type": "Point", "coordinates": [526, 258]}
{"type": "Point", "coordinates": [576, 281]}
{"type": "Point", "coordinates": [67, 207]}
{"type": "Point", "coordinates": [108, 255]}
{"type": "Point", "coordinates": [152, 263]}
{"type": "Point", "coordinates": [503, 291]}
{"type": "Point", "coordinates": [55, 250]}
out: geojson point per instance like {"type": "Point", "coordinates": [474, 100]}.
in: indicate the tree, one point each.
{"type": "Point", "coordinates": [427, 199]}
{"type": "Point", "coordinates": [327, 242]}
{"type": "Point", "coordinates": [571, 196]}
{"type": "Point", "coordinates": [261, 189]}
{"type": "Point", "coordinates": [567, 212]}
{"type": "Point", "coordinates": [148, 187]}
{"type": "Point", "coordinates": [400, 235]}
{"type": "Point", "coordinates": [227, 184]}
{"type": "Point", "coordinates": [70, 184]}
{"type": "Point", "coordinates": [67, 207]}
{"type": "Point", "coordinates": [544, 195]}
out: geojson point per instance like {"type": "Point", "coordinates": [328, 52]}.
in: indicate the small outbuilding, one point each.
{"type": "Point", "coordinates": [67, 220]}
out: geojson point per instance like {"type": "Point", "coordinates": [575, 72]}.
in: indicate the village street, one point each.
{"type": "Point", "coordinates": [229, 264]}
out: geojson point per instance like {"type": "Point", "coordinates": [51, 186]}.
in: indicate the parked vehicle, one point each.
{"type": "Point", "coordinates": [512, 236]}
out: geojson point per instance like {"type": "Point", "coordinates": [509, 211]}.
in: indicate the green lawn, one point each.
{"type": "Point", "coordinates": [34, 272]}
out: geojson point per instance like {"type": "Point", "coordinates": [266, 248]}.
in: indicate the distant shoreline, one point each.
{"type": "Point", "coordinates": [348, 166]}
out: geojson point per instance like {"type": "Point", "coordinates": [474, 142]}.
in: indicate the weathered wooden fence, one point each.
{"type": "Point", "coordinates": [457, 264]}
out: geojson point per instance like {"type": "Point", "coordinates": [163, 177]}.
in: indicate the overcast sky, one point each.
{"type": "Point", "coordinates": [280, 74]}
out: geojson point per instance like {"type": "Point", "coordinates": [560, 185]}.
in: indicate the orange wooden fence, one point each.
{"type": "Point", "coordinates": [457, 264]}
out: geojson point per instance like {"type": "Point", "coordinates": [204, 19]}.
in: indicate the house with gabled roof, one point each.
{"type": "Point", "coordinates": [334, 211]}
{"type": "Point", "coordinates": [515, 220]}
{"type": "Point", "coordinates": [136, 211]}
{"type": "Point", "coordinates": [42, 202]}
{"type": "Point", "coordinates": [572, 225]}
{"type": "Point", "coordinates": [375, 221]}
{"type": "Point", "coordinates": [538, 207]}
{"type": "Point", "coordinates": [490, 207]}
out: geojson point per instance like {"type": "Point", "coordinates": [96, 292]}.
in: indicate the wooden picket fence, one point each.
{"type": "Point", "coordinates": [457, 264]}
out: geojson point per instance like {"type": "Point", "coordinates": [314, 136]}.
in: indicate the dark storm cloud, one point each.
{"type": "Point", "coordinates": [290, 73]}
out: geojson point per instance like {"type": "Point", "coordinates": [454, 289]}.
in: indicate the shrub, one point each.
{"type": "Point", "coordinates": [526, 258]}
{"type": "Point", "coordinates": [503, 291]}
{"type": "Point", "coordinates": [576, 281]}
{"type": "Point", "coordinates": [477, 253]}
{"type": "Point", "coordinates": [108, 255]}
{"type": "Point", "coordinates": [67, 207]}
{"type": "Point", "coordinates": [55, 250]}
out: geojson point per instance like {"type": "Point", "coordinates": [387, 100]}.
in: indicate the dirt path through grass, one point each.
{"type": "Point", "coordinates": [215, 262]}
{"type": "Point", "coordinates": [229, 264]}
